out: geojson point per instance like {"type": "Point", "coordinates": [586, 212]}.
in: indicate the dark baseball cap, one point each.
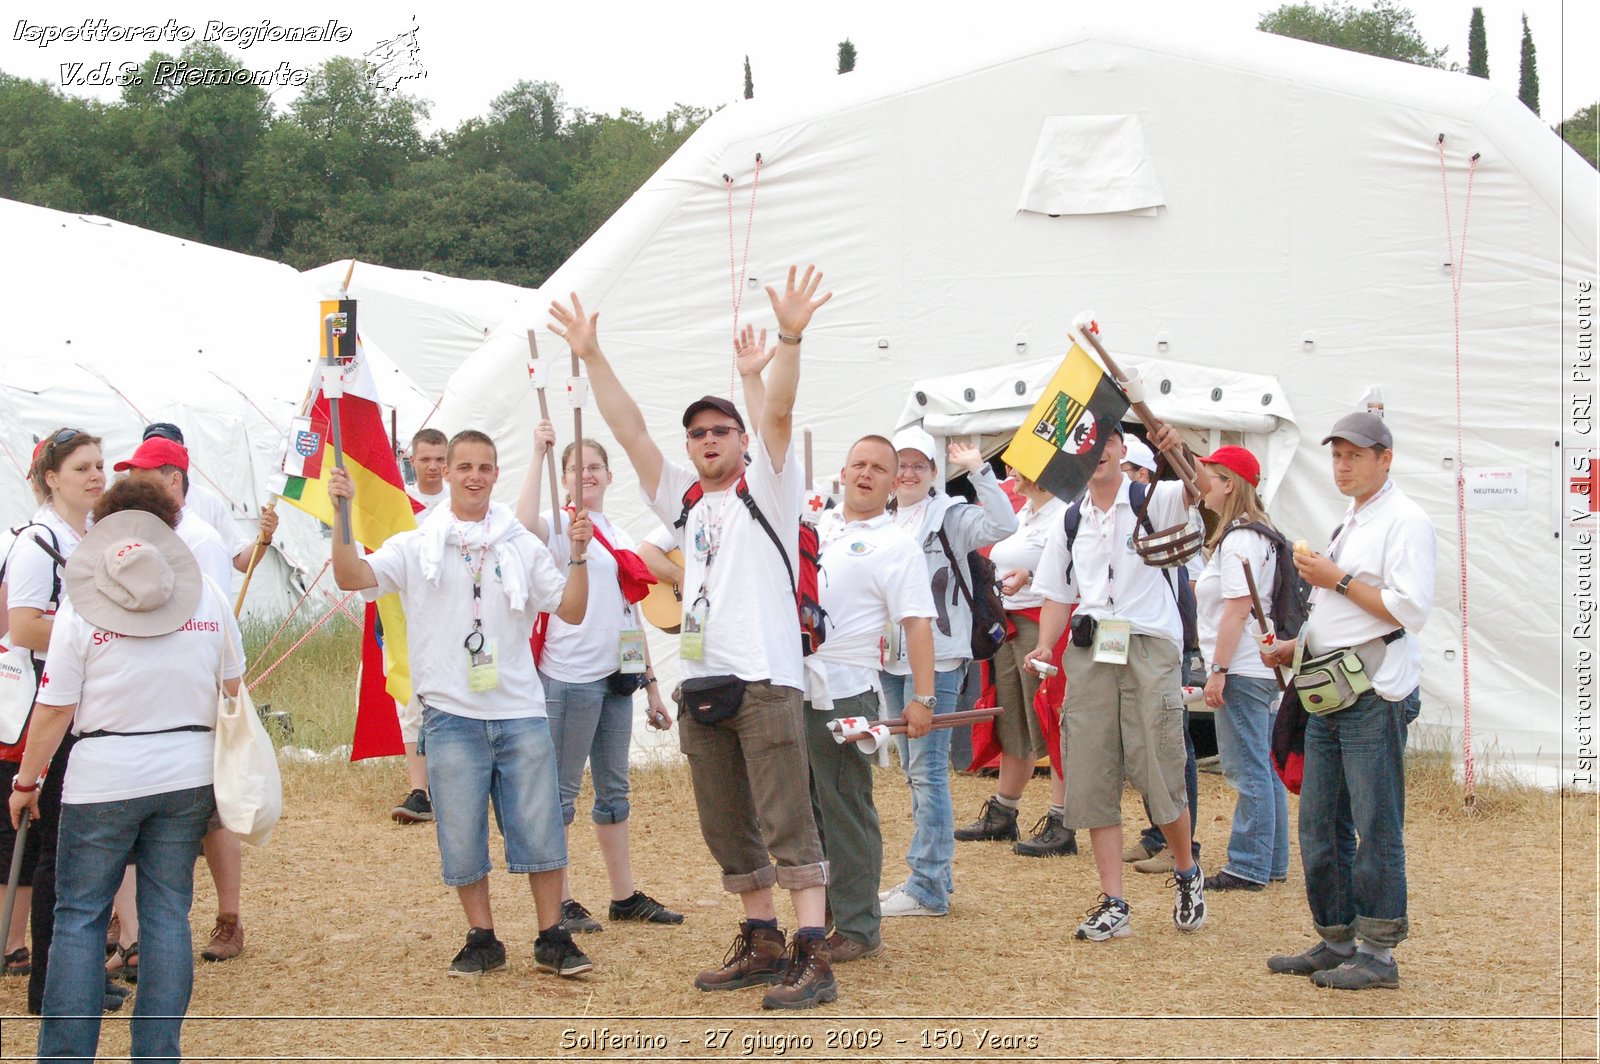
{"type": "Point", "coordinates": [1363, 430]}
{"type": "Point", "coordinates": [165, 429]}
{"type": "Point", "coordinates": [712, 402]}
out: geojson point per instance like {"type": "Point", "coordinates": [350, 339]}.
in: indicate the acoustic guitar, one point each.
{"type": "Point", "coordinates": [663, 607]}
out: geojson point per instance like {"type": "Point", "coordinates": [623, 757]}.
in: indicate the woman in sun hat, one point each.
{"type": "Point", "coordinates": [136, 655]}
{"type": "Point", "coordinates": [1239, 686]}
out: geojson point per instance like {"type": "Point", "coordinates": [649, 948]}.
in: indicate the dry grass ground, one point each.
{"type": "Point", "coordinates": [350, 932]}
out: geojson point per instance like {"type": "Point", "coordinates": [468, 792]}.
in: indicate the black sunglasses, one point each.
{"type": "Point", "coordinates": [719, 431]}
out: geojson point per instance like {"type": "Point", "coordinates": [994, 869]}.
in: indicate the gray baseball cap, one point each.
{"type": "Point", "coordinates": [1363, 430]}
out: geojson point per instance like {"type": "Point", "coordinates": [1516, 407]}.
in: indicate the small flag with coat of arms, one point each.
{"type": "Point", "coordinates": [1061, 439]}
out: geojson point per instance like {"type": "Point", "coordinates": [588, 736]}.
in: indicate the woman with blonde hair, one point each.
{"type": "Point", "coordinates": [1239, 686]}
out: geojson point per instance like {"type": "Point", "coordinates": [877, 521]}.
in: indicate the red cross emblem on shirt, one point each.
{"type": "Point", "coordinates": [816, 502]}
{"type": "Point", "coordinates": [44, 681]}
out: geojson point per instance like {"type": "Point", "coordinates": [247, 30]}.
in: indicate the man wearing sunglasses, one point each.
{"type": "Point", "coordinates": [741, 645]}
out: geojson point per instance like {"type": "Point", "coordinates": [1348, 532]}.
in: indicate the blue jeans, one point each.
{"type": "Point", "coordinates": [926, 761]}
{"type": "Point", "coordinates": [589, 723]}
{"type": "Point", "coordinates": [510, 763]}
{"type": "Point", "coordinates": [160, 833]}
{"type": "Point", "coordinates": [1355, 768]}
{"type": "Point", "coordinates": [1258, 848]}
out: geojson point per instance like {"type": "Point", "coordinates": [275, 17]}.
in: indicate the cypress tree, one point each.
{"type": "Point", "coordinates": [1528, 83]}
{"type": "Point", "coordinates": [749, 82]}
{"type": "Point", "coordinates": [1477, 46]}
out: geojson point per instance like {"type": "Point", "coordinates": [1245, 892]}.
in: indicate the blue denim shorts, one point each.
{"type": "Point", "coordinates": [510, 764]}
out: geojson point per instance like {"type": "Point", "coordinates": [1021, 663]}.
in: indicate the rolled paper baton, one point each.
{"type": "Point", "coordinates": [848, 729]}
{"type": "Point", "coordinates": [1194, 696]}
{"type": "Point", "coordinates": [874, 739]}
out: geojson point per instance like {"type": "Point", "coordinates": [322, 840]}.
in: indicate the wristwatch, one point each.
{"type": "Point", "coordinates": [1343, 586]}
{"type": "Point", "coordinates": [927, 700]}
{"type": "Point", "coordinates": [1216, 669]}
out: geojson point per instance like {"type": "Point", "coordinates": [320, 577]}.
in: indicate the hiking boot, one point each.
{"type": "Point", "coordinates": [1136, 851]}
{"type": "Point", "coordinates": [1159, 863]}
{"type": "Point", "coordinates": [901, 903]}
{"type": "Point", "coordinates": [842, 950]}
{"type": "Point", "coordinates": [482, 953]}
{"type": "Point", "coordinates": [1109, 919]}
{"type": "Point", "coordinates": [1189, 906]}
{"type": "Point", "coordinates": [1051, 838]}
{"type": "Point", "coordinates": [1319, 958]}
{"type": "Point", "coordinates": [19, 962]}
{"type": "Point", "coordinates": [227, 939]}
{"type": "Point", "coordinates": [808, 982]}
{"type": "Point", "coordinates": [1226, 880]}
{"type": "Point", "coordinates": [575, 919]}
{"type": "Point", "coordinates": [643, 908]}
{"type": "Point", "coordinates": [416, 808]}
{"type": "Point", "coordinates": [1361, 972]}
{"type": "Point", "coordinates": [554, 951]}
{"type": "Point", "coordinates": [755, 959]}
{"type": "Point", "coordinates": [995, 824]}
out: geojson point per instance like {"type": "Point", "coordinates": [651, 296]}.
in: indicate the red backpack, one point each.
{"type": "Point", "coordinates": [813, 618]}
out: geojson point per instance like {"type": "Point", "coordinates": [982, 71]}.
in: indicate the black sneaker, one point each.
{"type": "Point", "coordinates": [1226, 880]}
{"type": "Point", "coordinates": [1051, 838]}
{"type": "Point", "coordinates": [415, 809]}
{"type": "Point", "coordinates": [575, 919]}
{"type": "Point", "coordinates": [643, 908]}
{"type": "Point", "coordinates": [995, 823]}
{"type": "Point", "coordinates": [482, 953]}
{"type": "Point", "coordinates": [554, 951]}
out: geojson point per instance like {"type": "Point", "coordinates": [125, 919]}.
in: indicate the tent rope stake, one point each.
{"type": "Point", "coordinates": [1454, 258]}
{"type": "Point", "coordinates": [738, 271]}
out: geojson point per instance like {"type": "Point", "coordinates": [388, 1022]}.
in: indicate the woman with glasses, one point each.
{"type": "Point", "coordinates": [69, 474]}
{"type": "Point", "coordinates": [924, 512]}
{"type": "Point", "coordinates": [590, 673]}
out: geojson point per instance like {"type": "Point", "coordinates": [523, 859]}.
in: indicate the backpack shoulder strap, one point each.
{"type": "Point", "coordinates": [55, 549]}
{"type": "Point", "coordinates": [742, 490]}
{"type": "Point", "coordinates": [690, 498]}
{"type": "Point", "coordinates": [961, 582]}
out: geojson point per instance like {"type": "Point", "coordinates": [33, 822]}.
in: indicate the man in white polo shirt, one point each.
{"type": "Point", "coordinates": [742, 726]}
{"type": "Point", "coordinates": [1123, 717]}
{"type": "Point", "coordinates": [473, 580]}
{"type": "Point", "coordinates": [872, 577]}
{"type": "Point", "coordinates": [1373, 591]}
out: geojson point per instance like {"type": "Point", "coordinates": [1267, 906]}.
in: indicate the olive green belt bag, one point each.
{"type": "Point", "coordinates": [1333, 681]}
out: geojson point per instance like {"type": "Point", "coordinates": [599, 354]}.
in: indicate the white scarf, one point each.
{"type": "Point", "coordinates": [442, 533]}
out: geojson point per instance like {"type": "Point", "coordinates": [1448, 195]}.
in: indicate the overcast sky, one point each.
{"type": "Point", "coordinates": [649, 56]}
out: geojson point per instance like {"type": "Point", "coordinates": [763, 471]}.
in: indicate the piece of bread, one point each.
{"type": "Point", "coordinates": [1302, 549]}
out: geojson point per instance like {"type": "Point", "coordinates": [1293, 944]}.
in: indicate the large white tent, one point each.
{"type": "Point", "coordinates": [1256, 219]}
{"type": "Point", "coordinates": [113, 326]}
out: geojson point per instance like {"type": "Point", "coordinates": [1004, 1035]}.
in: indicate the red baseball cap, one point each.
{"type": "Point", "coordinates": [1237, 460]}
{"type": "Point", "coordinates": [154, 453]}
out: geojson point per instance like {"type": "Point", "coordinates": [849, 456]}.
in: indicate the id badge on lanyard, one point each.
{"type": "Point", "coordinates": [630, 657]}
{"type": "Point", "coordinates": [692, 638]}
{"type": "Point", "coordinates": [1112, 638]}
{"type": "Point", "coordinates": [483, 669]}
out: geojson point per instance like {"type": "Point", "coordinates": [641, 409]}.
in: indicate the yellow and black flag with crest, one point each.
{"type": "Point", "coordinates": [1059, 443]}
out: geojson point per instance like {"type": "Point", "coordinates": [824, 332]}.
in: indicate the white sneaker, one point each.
{"type": "Point", "coordinates": [1108, 919]}
{"type": "Point", "coordinates": [885, 895]}
{"type": "Point", "coordinates": [1189, 906]}
{"type": "Point", "coordinates": [902, 904]}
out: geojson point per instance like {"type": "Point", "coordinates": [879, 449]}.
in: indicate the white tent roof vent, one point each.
{"type": "Point", "coordinates": [1091, 164]}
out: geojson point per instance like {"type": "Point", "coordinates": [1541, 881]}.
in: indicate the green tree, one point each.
{"type": "Point", "coordinates": [1528, 79]}
{"type": "Point", "coordinates": [1383, 29]}
{"type": "Point", "coordinates": [749, 82]}
{"type": "Point", "coordinates": [1582, 131]}
{"type": "Point", "coordinates": [847, 56]}
{"type": "Point", "coordinates": [1477, 46]}
{"type": "Point", "coordinates": [54, 149]}
{"type": "Point", "coordinates": [364, 136]}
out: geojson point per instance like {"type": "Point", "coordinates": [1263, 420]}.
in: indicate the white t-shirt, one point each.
{"type": "Point", "coordinates": [872, 577]}
{"type": "Point", "coordinates": [1109, 579]}
{"type": "Point", "coordinates": [208, 506]}
{"type": "Point", "coordinates": [439, 614]}
{"type": "Point", "coordinates": [582, 653]}
{"type": "Point", "coordinates": [131, 684]}
{"type": "Point", "coordinates": [207, 548]}
{"type": "Point", "coordinates": [1389, 544]}
{"type": "Point", "coordinates": [1223, 579]}
{"type": "Point", "coordinates": [429, 502]}
{"type": "Point", "coordinates": [31, 573]}
{"type": "Point", "coordinates": [665, 537]}
{"type": "Point", "coordinates": [1023, 548]}
{"type": "Point", "coordinates": [752, 627]}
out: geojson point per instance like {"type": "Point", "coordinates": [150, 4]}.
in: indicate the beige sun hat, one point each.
{"type": "Point", "coordinates": [132, 575]}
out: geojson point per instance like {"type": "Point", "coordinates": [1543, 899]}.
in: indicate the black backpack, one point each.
{"type": "Point", "coordinates": [983, 599]}
{"type": "Point", "coordinates": [1285, 602]}
{"type": "Point", "coordinates": [1182, 593]}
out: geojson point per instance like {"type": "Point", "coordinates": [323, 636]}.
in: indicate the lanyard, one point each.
{"type": "Point", "coordinates": [1110, 545]}
{"type": "Point", "coordinates": [712, 528]}
{"type": "Point", "coordinates": [474, 640]}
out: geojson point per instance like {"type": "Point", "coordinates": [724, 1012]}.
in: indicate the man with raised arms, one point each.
{"type": "Point", "coordinates": [742, 727]}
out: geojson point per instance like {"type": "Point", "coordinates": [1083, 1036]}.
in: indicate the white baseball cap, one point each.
{"type": "Point", "coordinates": [1139, 452]}
{"type": "Point", "coordinates": [916, 439]}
